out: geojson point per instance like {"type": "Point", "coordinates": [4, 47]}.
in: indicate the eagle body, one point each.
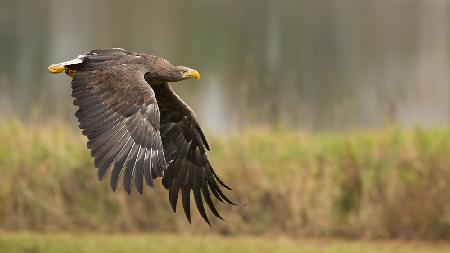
{"type": "Point", "coordinates": [139, 129]}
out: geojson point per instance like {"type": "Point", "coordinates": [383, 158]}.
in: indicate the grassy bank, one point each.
{"type": "Point", "coordinates": [137, 243]}
{"type": "Point", "coordinates": [390, 183]}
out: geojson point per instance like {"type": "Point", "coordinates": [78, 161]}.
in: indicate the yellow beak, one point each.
{"type": "Point", "coordinates": [193, 73]}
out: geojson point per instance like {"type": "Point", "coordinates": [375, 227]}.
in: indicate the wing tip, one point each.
{"type": "Point", "coordinates": [128, 191]}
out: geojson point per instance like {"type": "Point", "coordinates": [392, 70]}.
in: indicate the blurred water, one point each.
{"type": "Point", "coordinates": [315, 65]}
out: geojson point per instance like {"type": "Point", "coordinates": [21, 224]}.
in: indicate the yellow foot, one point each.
{"type": "Point", "coordinates": [56, 68]}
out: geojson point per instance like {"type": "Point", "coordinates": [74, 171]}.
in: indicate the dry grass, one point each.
{"type": "Point", "coordinates": [390, 183]}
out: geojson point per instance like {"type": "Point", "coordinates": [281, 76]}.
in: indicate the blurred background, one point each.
{"type": "Point", "coordinates": [330, 117]}
{"type": "Point", "coordinates": [315, 65]}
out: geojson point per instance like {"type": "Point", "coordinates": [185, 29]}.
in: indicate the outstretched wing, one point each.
{"type": "Point", "coordinates": [185, 150]}
{"type": "Point", "coordinates": [119, 115]}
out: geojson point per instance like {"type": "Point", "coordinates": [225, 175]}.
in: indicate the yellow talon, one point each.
{"type": "Point", "coordinates": [56, 68]}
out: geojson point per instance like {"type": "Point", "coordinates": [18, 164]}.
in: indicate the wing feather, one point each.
{"type": "Point", "coordinates": [131, 162]}
{"type": "Point", "coordinates": [119, 115]}
{"type": "Point", "coordinates": [185, 149]}
{"type": "Point", "coordinates": [139, 171]}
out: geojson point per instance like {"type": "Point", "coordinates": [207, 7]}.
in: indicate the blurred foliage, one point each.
{"type": "Point", "coordinates": [391, 183]}
{"type": "Point", "coordinates": [319, 65]}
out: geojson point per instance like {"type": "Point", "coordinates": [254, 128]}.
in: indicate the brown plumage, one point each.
{"type": "Point", "coordinates": [139, 129]}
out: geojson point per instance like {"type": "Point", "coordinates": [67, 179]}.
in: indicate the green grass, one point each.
{"type": "Point", "coordinates": [136, 243]}
{"type": "Point", "coordinates": [387, 183]}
